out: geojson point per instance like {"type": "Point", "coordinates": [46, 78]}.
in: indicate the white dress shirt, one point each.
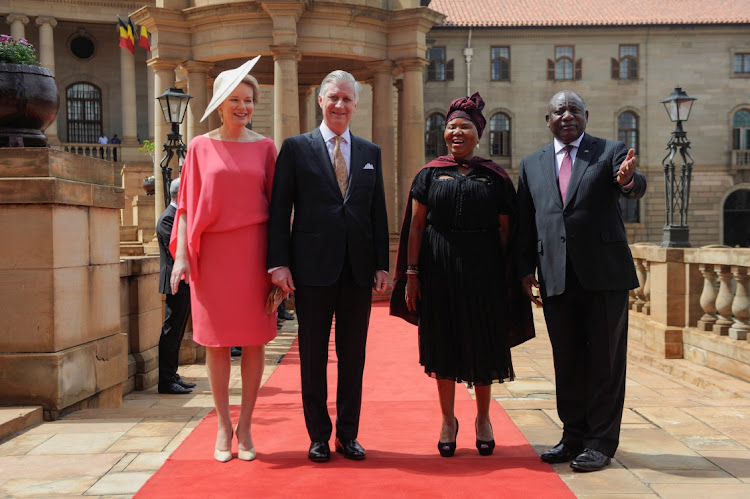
{"type": "Point", "coordinates": [346, 144]}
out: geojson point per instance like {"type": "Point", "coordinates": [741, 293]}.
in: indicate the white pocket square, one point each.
{"type": "Point", "coordinates": [368, 166]}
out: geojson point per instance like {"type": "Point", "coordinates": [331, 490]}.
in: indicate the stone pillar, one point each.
{"type": "Point", "coordinates": [213, 118]}
{"type": "Point", "coordinates": [196, 86]}
{"type": "Point", "coordinates": [285, 92]}
{"type": "Point", "coordinates": [708, 298]}
{"type": "Point", "coordinates": [740, 304]}
{"type": "Point", "coordinates": [128, 102]}
{"type": "Point", "coordinates": [17, 25]}
{"type": "Point", "coordinates": [401, 177]}
{"type": "Point", "coordinates": [47, 59]}
{"type": "Point", "coordinates": [304, 109]}
{"type": "Point", "coordinates": [61, 346]}
{"type": "Point", "coordinates": [724, 302]}
{"type": "Point", "coordinates": [384, 132]}
{"type": "Point", "coordinates": [411, 141]}
{"type": "Point", "coordinates": [164, 78]}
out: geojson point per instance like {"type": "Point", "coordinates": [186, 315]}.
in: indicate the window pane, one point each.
{"type": "Point", "coordinates": [742, 118]}
{"type": "Point", "coordinates": [563, 52]}
{"type": "Point", "coordinates": [499, 122]}
{"type": "Point", "coordinates": [500, 52]}
{"type": "Point", "coordinates": [631, 50]}
{"type": "Point", "coordinates": [564, 70]}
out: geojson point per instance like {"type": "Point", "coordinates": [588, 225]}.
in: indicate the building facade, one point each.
{"type": "Point", "coordinates": [413, 58]}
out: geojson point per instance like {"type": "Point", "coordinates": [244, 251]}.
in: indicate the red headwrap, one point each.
{"type": "Point", "coordinates": [469, 108]}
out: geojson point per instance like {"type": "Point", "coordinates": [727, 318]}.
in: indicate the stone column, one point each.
{"type": "Point", "coordinates": [724, 301]}
{"type": "Point", "coordinates": [128, 102]}
{"type": "Point", "coordinates": [17, 25]}
{"type": "Point", "coordinates": [411, 141]}
{"type": "Point", "coordinates": [740, 304]}
{"type": "Point", "coordinates": [400, 152]}
{"type": "Point", "coordinates": [383, 133]}
{"type": "Point", "coordinates": [304, 109]}
{"type": "Point", "coordinates": [285, 92]}
{"type": "Point", "coordinates": [196, 86]}
{"type": "Point", "coordinates": [47, 59]}
{"type": "Point", "coordinates": [213, 118]}
{"type": "Point", "coordinates": [164, 78]}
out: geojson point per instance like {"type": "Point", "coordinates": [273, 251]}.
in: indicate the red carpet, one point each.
{"type": "Point", "coordinates": [399, 427]}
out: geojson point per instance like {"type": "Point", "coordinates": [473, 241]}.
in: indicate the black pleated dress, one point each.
{"type": "Point", "coordinates": [463, 312]}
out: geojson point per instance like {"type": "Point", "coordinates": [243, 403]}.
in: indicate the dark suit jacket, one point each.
{"type": "Point", "coordinates": [588, 230]}
{"type": "Point", "coordinates": [163, 234]}
{"type": "Point", "coordinates": [325, 224]}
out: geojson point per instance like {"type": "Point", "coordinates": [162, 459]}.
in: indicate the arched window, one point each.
{"type": "Point", "coordinates": [737, 219]}
{"type": "Point", "coordinates": [434, 143]}
{"type": "Point", "coordinates": [627, 132]}
{"type": "Point", "coordinates": [500, 135]}
{"type": "Point", "coordinates": [84, 112]}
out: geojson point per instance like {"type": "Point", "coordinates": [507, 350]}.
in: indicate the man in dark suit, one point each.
{"type": "Point", "coordinates": [336, 252]}
{"type": "Point", "coordinates": [177, 306]}
{"type": "Point", "coordinates": [571, 232]}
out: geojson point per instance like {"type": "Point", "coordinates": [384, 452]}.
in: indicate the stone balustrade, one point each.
{"type": "Point", "coordinates": [694, 303]}
{"type": "Point", "coordinates": [107, 152]}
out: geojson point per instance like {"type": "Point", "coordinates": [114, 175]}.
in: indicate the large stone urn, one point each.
{"type": "Point", "coordinates": [28, 104]}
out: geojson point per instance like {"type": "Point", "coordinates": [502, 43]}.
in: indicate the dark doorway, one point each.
{"type": "Point", "coordinates": [737, 219]}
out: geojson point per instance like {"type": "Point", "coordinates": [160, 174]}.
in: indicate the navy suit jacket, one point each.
{"type": "Point", "coordinates": [166, 262]}
{"type": "Point", "coordinates": [587, 230]}
{"type": "Point", "coordinates": [326, 224]}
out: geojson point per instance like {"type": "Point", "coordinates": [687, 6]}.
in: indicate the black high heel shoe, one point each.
{"type": "Point", "coordinates": [447, 449]}
{"type": "Point", "coordinates": [485, 447]}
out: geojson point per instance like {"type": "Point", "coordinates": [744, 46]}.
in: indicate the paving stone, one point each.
{"type": "Point", "coordinates": [734, 462]}
{"type": "Point", "coordinates": [655, 450]}
{"type": "Point", "coordinates": [148, 461]}
{"type": "Point", "coordinates": [119, 483]}
{"type": "Point", "coordinates": [140, 444]}
{"type": "Point", "coordinates": [51, 488]}
{"type": "Point", "coordinates": [614, 479]}
{"type": "Point", "coordinates": [681, 491]}
{"type": "Point", "coordinates": [56, 467]}
{"type": "Point", "coordinates": [77, 443]}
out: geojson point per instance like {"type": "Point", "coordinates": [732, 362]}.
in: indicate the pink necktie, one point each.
{"type": "Point", "coordinates": [566, 168]}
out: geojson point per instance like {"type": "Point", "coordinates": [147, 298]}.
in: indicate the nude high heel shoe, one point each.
{"type": "Point", "coordinates": [245, 455]}
{"type": "Point", "coordinates": [223, 455]}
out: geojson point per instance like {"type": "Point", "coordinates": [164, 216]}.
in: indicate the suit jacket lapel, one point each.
{"type": "Point", "coordinates": [583, 158]}
{"type": "Point", "coordinates": [323, 160]}
{"type": "Point", "coordinates": [549, 170]}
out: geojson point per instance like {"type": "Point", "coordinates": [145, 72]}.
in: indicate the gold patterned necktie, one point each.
{"type": "Point", "coordinates": [339, 166]}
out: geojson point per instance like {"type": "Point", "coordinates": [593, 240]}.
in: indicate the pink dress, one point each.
{"type": "Point", "coordinates": [225, 189]}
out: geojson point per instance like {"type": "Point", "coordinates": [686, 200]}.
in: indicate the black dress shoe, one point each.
{"type": "Point", "coordinates": [236, 352]}
{"type": "Point", "coordinates": [590, 460]}
{"type": "Point", "coordinates": [183, 383]}
{"type": "Point", "coordinates": [285, 316]}
{"type": "Point", "coordinates": [350, 449]}
{"type": "Point", "coordinates": [319, 452]}
{"type": "Point", "coordinates": [173, 388]}
{"type": "Point", "coordinates": [561, 453]}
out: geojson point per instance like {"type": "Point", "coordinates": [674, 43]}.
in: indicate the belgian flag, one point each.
{"type": "Point", "coordinates": [127, 40]}
{"type": "Point", "coordinates": [144, 40]}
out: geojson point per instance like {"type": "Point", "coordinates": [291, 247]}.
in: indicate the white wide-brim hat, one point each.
{"type": "Point", "coordinates": [226, 82]}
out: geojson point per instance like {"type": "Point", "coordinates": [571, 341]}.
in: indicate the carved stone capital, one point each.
{"type": "Point", "coordinates": [41, 20]}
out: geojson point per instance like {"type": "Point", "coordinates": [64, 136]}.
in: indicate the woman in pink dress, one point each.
{"type": "Point", "coordinates": [219, 245]}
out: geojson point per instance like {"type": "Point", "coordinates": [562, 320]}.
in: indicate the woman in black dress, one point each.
{"type": "Point", "coordinates": [458, 273]}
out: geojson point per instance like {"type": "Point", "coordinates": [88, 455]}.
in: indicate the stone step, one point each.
{"type": "Point", "coordinates": [128, 233]}
{"type": "Point", "coordinates": [691, 373]}
{"type": "Point", "coordinates": [131, 248]}
{"type": "Point", "coordinates": [16, 419]}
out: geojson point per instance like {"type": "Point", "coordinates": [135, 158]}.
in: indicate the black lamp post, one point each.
{"type": "Point", "coordinates": [173, 104]}
{"type": "Point", "coordinates": [677, 183]}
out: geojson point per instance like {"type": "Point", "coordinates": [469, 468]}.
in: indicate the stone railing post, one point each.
{"type": "Point", "coordinates": [640, 271]}
{"type": "Point", "coordinates": [646, 289]}
{"type": "Point", "coordinates": [740, 305]}
{"type": "Point", "coordinates": [724, 302]}
{"type": "Point", "coordinates": [708, 298]}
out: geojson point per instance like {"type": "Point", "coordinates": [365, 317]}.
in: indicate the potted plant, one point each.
{"type": "Point", "coordinates": [28, 95]}
{"type": "Point", "coordinates": [149, 185]}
